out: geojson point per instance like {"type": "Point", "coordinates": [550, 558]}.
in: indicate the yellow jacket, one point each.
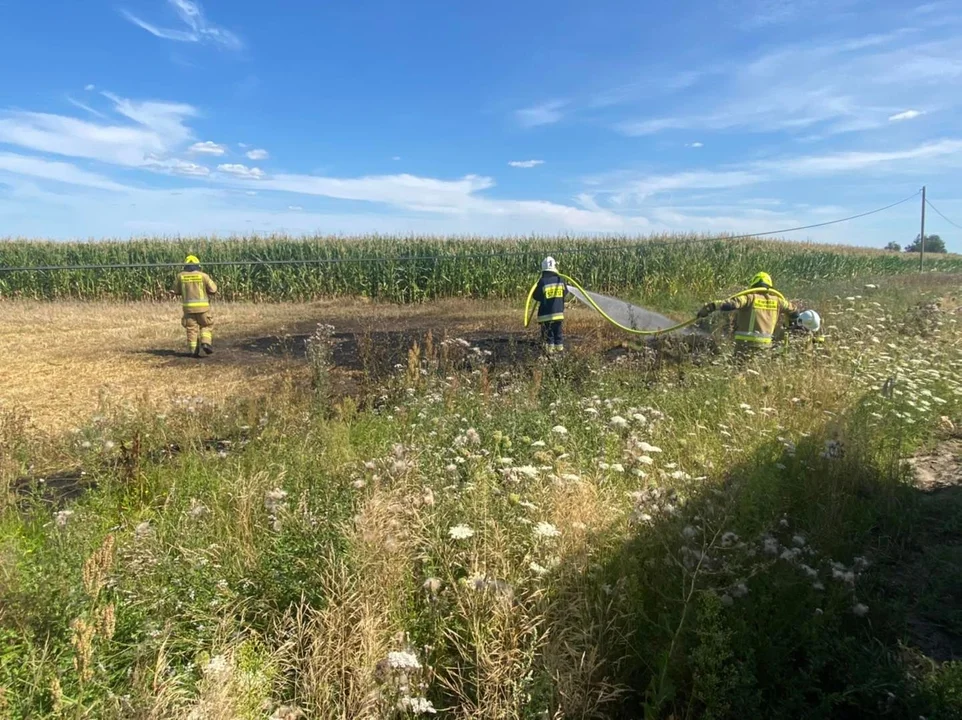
{"type": "Point", "coordinates": [756, 314]}
{"type": "Point", "coordinates": [194, 287]}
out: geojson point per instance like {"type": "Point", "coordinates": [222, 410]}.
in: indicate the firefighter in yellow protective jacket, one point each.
{"type": "Point", "coordinates": [756, 316]}
{"type": "Point", "coordinates": [195, 288]}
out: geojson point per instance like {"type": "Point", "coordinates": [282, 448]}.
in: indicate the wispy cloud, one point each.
{"type": "Point", "coordinates": [241, 171]}
{"type": "Point", "coordinates": [56, 171]}
{"type": "Point", "coordinates": [195, 29]}
{"type": "Point", "coordinates": [829, 87]}
{"type": "Point", "coordinates": [207, 148]}
{"type": "Point", "coordinates": [544, 114]}
{"type": "Point", "coordinates": [88, 88]}
{"type": "Point", "coordinates": [295, 208]}
{"type": "Point", "coordinates": [907, 115]}
{"type": "Point", "coordinates": [85, 108]}
{"type": "Point", "coordinates": [258, 154]}
{"type": "Point", "coordinates": [695, 145]}
{"type": "Point", "coordinates": [157, 129]}
{"type": "Point", "coordinates": [525, 163]}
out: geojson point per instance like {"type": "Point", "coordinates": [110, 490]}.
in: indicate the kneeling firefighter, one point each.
{"type": "Point", "coordinates": [550, 293]}
{"type": "Point", "coordinates": [195, 288]}
{"type": "Point", "coordinates": [757, 315]}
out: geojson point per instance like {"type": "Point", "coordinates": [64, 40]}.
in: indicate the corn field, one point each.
{"type": "Point", "coordinates": [412, 269]}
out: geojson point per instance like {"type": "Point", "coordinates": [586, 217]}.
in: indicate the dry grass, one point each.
{"type": "Point", "coordinates": [65, 361]}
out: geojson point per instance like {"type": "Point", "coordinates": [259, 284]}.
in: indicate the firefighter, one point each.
{"type": "Point", "coordinates": [550, 296]}
{"type": "Point", "coordinates": [757, 314]}
{"type": "Point", "coordinates": [195, 288]}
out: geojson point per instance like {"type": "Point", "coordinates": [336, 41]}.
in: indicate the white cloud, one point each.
{"type": "Point", "coordinates": [56, 171]}
{"type": "Point", "coordinates": [695, 145]}
{"type": "Point", "coordinates": [88, 88]}
{"type": "Point", "coordinates": [847, 162]}
{"type": "Point", "coordinates": [396, 158]}
{"type": "Point", "coordinates": [258, 154]}
{"type": "Point", "coordinates": [295, 208]}
{"type": "Point", "coordinates": [157, 129]}
{"type": "Point", "coordinates": [197, 28]}
{"type": "Point", "coordinates": [525, 163]}
{"type": "Point", "coordinates": [207, 148]}
{"type": "Point", "coordinates": [907, 115]}
{"type": "Point", "coordinates": [176, 166]}
{"type": "Point", "coordinates": [251, 192]}
{"type": "Point", "coordinates": [544, 114]}
{"type": "Point", "coordinates": [241, 171]}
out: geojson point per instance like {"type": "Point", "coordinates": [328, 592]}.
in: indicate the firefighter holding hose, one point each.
{"type": "Point", "coordinates": [195, 288]}
{"type": "Point", "coordinates": [550, 293]}
{"type": "Point", "coordinates": [757, 312]}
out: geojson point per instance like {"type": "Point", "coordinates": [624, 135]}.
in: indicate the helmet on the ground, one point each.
{"type": "Point", "coordinates": [810, 320]}
{"type": "Point", "coordinates": [549, 264]}
{"type": "Point", "coordinates": [762, 279]}
{"type": "Point", "coordinates": [192, 260]}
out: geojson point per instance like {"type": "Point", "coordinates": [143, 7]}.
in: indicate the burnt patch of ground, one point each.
{"type": "Point", "coordinates": [377, 352]}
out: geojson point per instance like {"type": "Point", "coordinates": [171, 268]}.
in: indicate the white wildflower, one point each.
{"type": "Point", "coordinates": [689, 532]}
{"type": "Point", "coordinates": [216, 666]}
{"type": "Point", "coordinates": [404, 661]}
{"type": "Point", "coordinates": [63, 517]}
{"type": "Point", "coordinates": [617, 467]}
{"type": "Point", "coordinates": [142, 530]}
{"type": "Point", "coordinates": [432, 585]}
{"type": "Point", "coordinates": [416, 706]}
{"type": "Point", "coordinates": [460, 532]}
{"type": "Point", "coordinates": [740, 590]}
{"type": "Point", "coordinates": [860, 609]}
{"type": "Point", "coordinates": [546, 530]}
{"type": "Point", "coordinates": [560, 430]}
{"type": "Point", "coordinates": [726, 600]}
{"type": "Point", "coordinates": [472, 436]}
{"type": "Point", "coordinates": [538, 569]}
{"type": "Point", "coordinates": [274, 500]}
{"type": "Point", "coordinates": [646, 448]}
{"type": "Point", "coordinates": [197, 509]}
{"type": "Point", "coordinates": [618, 422]}
{"type": "Point", "coordinates": [798, 541]}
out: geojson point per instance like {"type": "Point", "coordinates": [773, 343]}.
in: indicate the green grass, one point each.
{"type": "Point", "coordinates": [598, 577]}
{"type": "Point", "coordinates": [662, 267]}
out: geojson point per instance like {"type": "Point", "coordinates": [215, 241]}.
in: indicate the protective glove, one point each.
{"type": "Point", "coordinates": [706, 310]}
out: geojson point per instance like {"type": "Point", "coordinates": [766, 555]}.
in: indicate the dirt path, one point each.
{"type": "Point", "coordinates": [929, 577]}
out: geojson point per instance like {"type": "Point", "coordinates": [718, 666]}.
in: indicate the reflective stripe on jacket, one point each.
{"type": "Point", "coordinates": [756, 315]}
{"type": "Point", "coordinates": [550, 295]}
{"type": "Point", "coordinates": [194, 287]}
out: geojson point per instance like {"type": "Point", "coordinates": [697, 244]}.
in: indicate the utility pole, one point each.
{"type": "Point", "coordinates": [922, 234]}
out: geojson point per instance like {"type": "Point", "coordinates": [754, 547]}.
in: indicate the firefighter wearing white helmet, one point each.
{"type": "Point", "coordinates": [195, 288]}
{"type": "Point", "coordinates": [550, 293]}
{"type": "Point", "coordinates": [757, 313]}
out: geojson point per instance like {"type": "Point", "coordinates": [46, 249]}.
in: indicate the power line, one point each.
{"type": "Point", "coordinates": [473, 256]}
{"type": "Point", "coordinates": [927, 202]}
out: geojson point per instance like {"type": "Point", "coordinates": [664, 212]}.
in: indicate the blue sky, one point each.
{"type": "Point", "coordinates": [134, 117]}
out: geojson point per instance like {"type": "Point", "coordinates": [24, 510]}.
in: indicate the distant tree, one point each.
{"type": "Point", "coordinates": [894, 247]}
{"type": "Point", "coordinates": [933, 244]}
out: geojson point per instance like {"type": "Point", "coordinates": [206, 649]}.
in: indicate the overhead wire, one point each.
{"type": "Point", "coordinates": [471, 256]}
{"type": "Point", "coordinates": [950, 222]}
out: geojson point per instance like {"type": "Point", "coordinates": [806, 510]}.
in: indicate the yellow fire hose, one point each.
{"type": "Point", "coordinates": [528, 309]}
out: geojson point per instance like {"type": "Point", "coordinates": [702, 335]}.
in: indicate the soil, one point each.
{"type": "Point", "coordinates": [929, 576]}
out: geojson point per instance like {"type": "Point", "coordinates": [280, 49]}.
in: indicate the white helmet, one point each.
{"type": "Point", "coordinates": [549, 264]}
{"type": "Point", "coordinates": [810, 320]}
